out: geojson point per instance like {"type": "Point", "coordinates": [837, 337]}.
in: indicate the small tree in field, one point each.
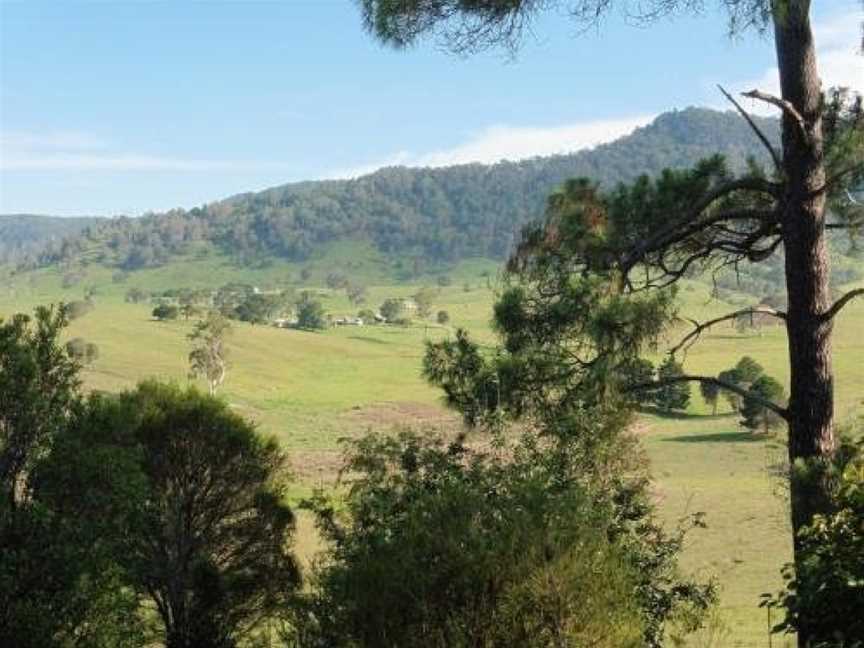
{"type": "Point", "coordinates": [732, 377]}
{"type": "Point", "coordinates": [208, 356]}
{"type": "Point", "coordinates": [671, 396]}
{"type": "Point", "coordinates": [165, 312]}
{"type": "Point", "coordinates": [756, 415]}
{"type": "Point", "coordinates": [424, 298]}
{"type": "Point", "coordinates": [443, 317]}
{"type": "Point", "coordinates": [310, 313]}
{"type": "Point", "coordinates": [710, 394]}
{"type": "Point", "coordinates": [393, 309]}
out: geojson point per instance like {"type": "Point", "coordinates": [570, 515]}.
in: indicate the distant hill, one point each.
{"type": "Point", "coordinates": [434, 215]}
{"type": "Point", "coordinates": [25, 235]}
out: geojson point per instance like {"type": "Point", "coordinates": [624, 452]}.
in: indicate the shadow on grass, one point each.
{"type": "Point", "coordinates": [370, 340]}
{"type": "Point", "coordinates": [681, 416]}
{"type": "Point", "coordinates": [720, 437]}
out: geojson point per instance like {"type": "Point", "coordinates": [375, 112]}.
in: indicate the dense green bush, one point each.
{"type": "Point", "coordinates": [825, 590]}
{"type": "Point", "coordinates": [166, 312]}
{"type": "Point", "coordinates": [441, 546]}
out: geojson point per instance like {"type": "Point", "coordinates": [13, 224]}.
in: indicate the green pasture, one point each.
{"type": "Point", "coordinates": [311, 389]}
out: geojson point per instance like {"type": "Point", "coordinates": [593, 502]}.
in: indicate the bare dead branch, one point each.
{"type": "Point", "coordinates": [775, 156]}
{"type": "Point", "coordinates": [785, 106]}
{"type": "Point", "coordinates": [838, 305]}
{"type": "Point", "coordinates": [700, 327]}
{"type": "Point", "coordinates": [782, 412]}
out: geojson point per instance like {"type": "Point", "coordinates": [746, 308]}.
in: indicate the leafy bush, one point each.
{"type": "Point", "coordinates": [675, 395]}
{"type": "Point", "coordinates": [825, 590]}
{"type": "Point", "coordinates": [310, 313]}
{"type": "Point", "coordinates": [442, 546]}
{"type": "Point", "coordinates": [166, 312]}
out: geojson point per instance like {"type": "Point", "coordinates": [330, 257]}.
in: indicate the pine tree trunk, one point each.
{"type": "Point", "coordinates": [811, 403]}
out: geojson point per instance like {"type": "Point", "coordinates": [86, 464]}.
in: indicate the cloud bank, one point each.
{"type": "Point", "coordinates": [503, 142]}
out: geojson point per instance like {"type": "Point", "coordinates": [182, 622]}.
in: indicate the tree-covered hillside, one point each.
{"type": "Point", "coordinates": [23, 235]}
{"type": "Point", "coordinates": [435, 214]}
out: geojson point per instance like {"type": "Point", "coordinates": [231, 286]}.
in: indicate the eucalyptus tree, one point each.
{"type": "Point", "coordinates": [644, 238]}
{"type": "Point", "coordinates": [208, 356]}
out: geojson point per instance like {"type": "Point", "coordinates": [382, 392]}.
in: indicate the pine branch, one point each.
{"type": "Point", "coordinates": [785, 106]}
{"type": "Point", "coordinates": [832, 312]}
{"type": "Point", "coordinates": [700, 327]}
{"type": "Point", "coordinates": [775, 156]}
{"type": "Point", "coordinates": [782, 412]}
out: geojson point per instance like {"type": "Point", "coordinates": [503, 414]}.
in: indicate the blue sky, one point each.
{"type": "Point", "coordinates": [123, 107]}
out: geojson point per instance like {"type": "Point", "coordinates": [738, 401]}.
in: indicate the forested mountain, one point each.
{"type": "Point", "coordinates": [438, 214]}
{"type": "Point", "coordinates": [23, 235]}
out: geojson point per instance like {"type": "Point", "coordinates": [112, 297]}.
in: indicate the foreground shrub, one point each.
{"type": "Point", "coordinates": [199, 530]}
{"type": "Point", "coordinates": [441, 545]}
{"type": "Point", "coordinates": [824, 592]}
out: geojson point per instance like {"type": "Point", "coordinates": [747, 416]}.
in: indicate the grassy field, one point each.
{"type": "Point", "coordinates": [311, 389]}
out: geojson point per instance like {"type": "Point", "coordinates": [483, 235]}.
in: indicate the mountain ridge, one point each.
{"type": "Point", "coordinates": [438, 214]}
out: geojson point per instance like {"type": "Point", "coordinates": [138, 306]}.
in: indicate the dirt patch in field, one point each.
{"type": "Point", "coordinates": [383, 416]}
{"type": "Point", "coordinates": [316, 467]}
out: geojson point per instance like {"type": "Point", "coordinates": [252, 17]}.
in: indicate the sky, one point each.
{"type": "Point", "coordinates": [125, 107]}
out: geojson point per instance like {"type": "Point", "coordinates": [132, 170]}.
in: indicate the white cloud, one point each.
{"type": "Point", "coordinates": [108, 162]}
{"type": "Point", "coordinates": [50, 141]}
{"type": "Point", "coordinates": [74, 151]}
{"type": "Point", "coordinates": [502, 142]}
{"type": "Point", "coordinates": [838, 38]}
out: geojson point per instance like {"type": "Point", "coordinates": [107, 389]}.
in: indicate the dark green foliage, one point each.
{"type": "Point", "coordinates": [743, 374]}
{"type": "Point", "coordinates": [82, 350]}
{"type": "Point", "coordinates": [210, 485]}
{"type": "Point", "coordinates": [732, 377]}
{"type": "Point", "coordinates": [827, 591]}
{"type": "Point", "coordinates": [443, 317]}
{"type": "Point", "coordinates": [710, 394]}
{"type": "Point", "coordinates": [748, 371]}
{"type": "Point", "coordinates": [465, 549]}
{"type": "Point", "coordinates": [310, 313]}
{"type": "Point", "coordinates": [258, 309]}
{"type": "Point", "coordinates": [38, 385]}
{"type": "Point", "coordinates": [757, 416]}
{"type": "Point", "coordinates": [634, 376]}
{"type": "Point", "coordinates": [164, 312]}
{"type": "Point", "coordinates": [470, 383]}
{"type": "Point", "coordinates": [393, 309]}
{"type": "Point", "coordinates": [673, 395]}
{"type": "Point", "coordinates": [58, 583]}
{"type": "Point", "coordinates": [368, 316]}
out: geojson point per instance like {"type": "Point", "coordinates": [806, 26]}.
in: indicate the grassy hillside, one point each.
{"type": "Point", "coordinates": [311, 389]}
